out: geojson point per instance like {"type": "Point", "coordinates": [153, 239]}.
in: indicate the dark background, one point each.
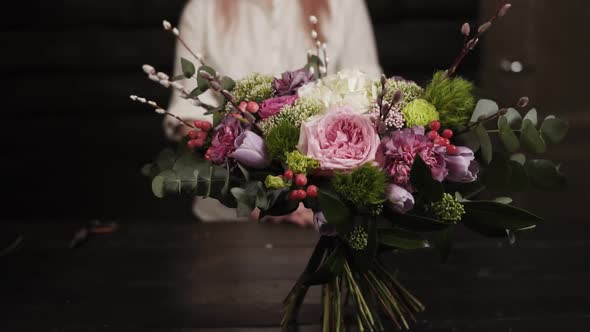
{"type": "Point", "coordinates": [73, 145]}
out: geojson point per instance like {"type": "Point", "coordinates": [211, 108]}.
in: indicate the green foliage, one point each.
{"type": "Point", "coordinates": [255, 87]}
{"type": "Point", "coordinates": [421, 179]}
{"type": "Point", "coordinates": [358, 238]}
{"type": "Point", "coordinates": [419, 112]}
{"type": "Point", "coordinates": [303, 109]}
{"type": "Point", "coordinates": [493, 218]}
{"type": "Point", "coordinates": [299, 163]}
{"type": "Point", "coordinates": [402, 239]}
{"type": "Point", "coordinates": [448, 209]}
{"type": "Point", "coordinates": [282, 139]}
{"type": "Point", "coordinates": [188, 68]}
{"type": "Point", "coordinates": [410, 90]}
{"type": "Point", "coordinates": [274, 182]}
{"type": "Point", "coordinates": [452, 97]}
{"type": "Point", "coordinates": [363, 187]}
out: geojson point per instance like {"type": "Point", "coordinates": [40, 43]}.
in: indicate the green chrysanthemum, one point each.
{"type": "Point", "coordinates": [410, 90]}
{"type": "Point", "coordinates": [419, 112]}
{"type": "Point", "coordinates": [303, 109]}
{"type": "Point", "coordinates": [448, 209]}
{"type": "Point", "coordinates": [299, 163]}
{"type": "Point", "coordinates": [358, 238]}
{"type": "Point", "coordinates": [255, 87]}
{"type": "Point", "coordinates": [452, 97]}
{"type": "Point", "coordinates": [274, 182]}
{"type": "Point", "coordinates": [363, 187]}
{"type": "Point", "coordinates": [282, 139]}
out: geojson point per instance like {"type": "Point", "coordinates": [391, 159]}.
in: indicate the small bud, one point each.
{"type": "Point", "coordinates": [215, 85]}
{"type": "Point", "coordinates": [484, 27]}
{"type": "Point", "coordinates": [397, 97]}
{"type": "Point", "coordinates": [160, 111]}
{"type": "Point", "coordinates": [327, 60]}
{"type": "Point", "coordinates": [154, 78]}
{"type": "Point", "coordinates": [323, 70]}
{"type": "Point", "coordinates": [176, 32]}
{"type": "Point", "coordinates": [504, 9]}
{"type": "Point", "coordinates": [163, 76]}
{"type": "Point", "coordinates": [165, 83]}
{"type": "Point", "coordinates": [318, 44]}
{"type": "Point", "coordinates": [314, 34]}
{"type": "Point", "coordinates": [472, 43]}
{"type": "Point", "coordinates": [142, 100]}
{"type": "Point", "coordinates": [523, 102]}
{"type": "Point", "coordinates": [466, 29]}
{"type": "Point", "coordinates": [152, 103]}
{"type": "Point", "coordinates": [312, 70]}
{"type": "Point", "coordinates": [150, 70]}
{"type": "Point", "coordinates": [167, 26]}
{"type": "Point", "coordinates": [313, 20]}
{"type": "Point", "coordinates": [177, 86]}
{"type": "Point", "coordinates": [205, 75]}
{"type": "Point", "coordinates": [324, 46]}
{"type": "Point", "coordinates": [383, 80]}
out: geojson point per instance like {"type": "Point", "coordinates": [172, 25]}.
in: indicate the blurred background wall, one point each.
{"type": "Point", "coordinates": [73, 144]}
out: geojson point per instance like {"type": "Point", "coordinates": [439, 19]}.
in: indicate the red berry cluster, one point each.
{"type": "Point", "coordinates": [300, 181]}
{"type": "Point", "coordinates": [444, 139]}
{"type": "Point", "coordinates": [249, 106]}
{"type": "Point", "coordinates": [197, 137]}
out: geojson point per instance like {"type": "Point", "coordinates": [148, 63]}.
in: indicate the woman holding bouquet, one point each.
{"type": "Point", "coordinates": [269, 36]}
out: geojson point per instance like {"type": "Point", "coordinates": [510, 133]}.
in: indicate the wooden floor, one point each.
{"type": "Point", "coordinates": [231, 277]}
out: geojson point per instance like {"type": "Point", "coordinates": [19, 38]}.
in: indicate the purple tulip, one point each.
{"type": "Point", "coordinates": [462, 166]}
{"type": "Point", "coordinates": [401, 200]}
{"type": "Point", "coordinates": [290, 81]}
{"type": "Point", "coordinates": [250, 150]}
{"type": "Point", "coordinates": [321, 225]}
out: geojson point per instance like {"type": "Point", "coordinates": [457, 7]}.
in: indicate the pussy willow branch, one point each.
{"type": "Point", "coordinates": [470, 44]}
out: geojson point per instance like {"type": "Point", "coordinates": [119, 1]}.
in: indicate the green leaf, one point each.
{"type": "Point", "coordinates": [498, 216]}
{"type": "Point", "coordinates": [202, 82]}
{"type": "Point", "coordinates": [532, 116]}
{"type": "Point", "coordinates": [530, 137]}
{"type": "Point", "coordinates": [468, 139]}
{"type": "Point", "coordinates": [336, 212]}
{"type": "Point", "coordinates": [484, 108]}
{"type": "Point", "coordinates": [507, 136]}
{"type": "Point", "coordinates": [331, 267]}
{"type": "Point", "coordinates": [519, 180]}
{"type": "Point", "coordinates": [196, 92]}
{"type": "Point", "coordinates": [485, 142]}
{"type": "Point", "coordinates": [163, 183]}
{"type": "Point", "coordinates": [514, 118]}
{"type": "Point", "coordinates": [402, 239]}
{"type": "Point", "coordinates": [246, 201]}
{"type": "Point", "coordinates": [497, 175]}
{"type": "Point", "coordinates": [262, 201]}
{"type": "Point", "coordinates": [544, 174]}
{"type": "Point", "coordinates": [413, 221]}
{"type": "Point", "coordinates": [443, 241]}
{"type": "Point", "coordinates": [503, 200]}
{"type": "Point", "coordinates": [421, 179]}
{"type": "Point", "coordinates": [519, 158]}
{"type": "Point", "coordinates": [165, 159]}
{"type": "Point", "coordinates": [227, 83]}
{"type": "Point", "coordinates": [188, 68]}
{"type": "Point", "coordinates": [554, 130]}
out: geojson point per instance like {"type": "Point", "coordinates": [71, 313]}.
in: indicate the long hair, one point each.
{"type": "Point", "coordinates": [228, 10]}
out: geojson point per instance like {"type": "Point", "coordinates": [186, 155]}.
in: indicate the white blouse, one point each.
{"type": "Point", "coordinates": [270, 41]}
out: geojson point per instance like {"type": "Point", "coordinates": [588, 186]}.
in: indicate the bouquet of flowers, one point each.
{"type": "Point", "coordinates": [385, 165]}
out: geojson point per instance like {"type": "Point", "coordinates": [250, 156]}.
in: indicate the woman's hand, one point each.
{"type": "Point", "coordinates": [302, 217]}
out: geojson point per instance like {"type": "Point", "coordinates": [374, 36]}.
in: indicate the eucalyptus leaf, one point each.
{"type": "Point", "coordinates": [530, 137]}
{"type": "Point", "coordinates": [532, 116]}
{"type": "Point", "coordinates": [165, 159]}
{"type": "Point", "coordinates": [544, 174]}
{"type": "Point", "coordinates": [164, 183]}
{"type": "Point", "coordinates": [514, 118]}
{"type": "Point", "coordinates": [499, 216]}
{"type": "Point", "coordinates": [485, 143]}
{"type": "Point", "coordinates": [519, 180]}
{"type": "Point", "coordinates": [227, 83]}
{"type": "Point", "coordinates": [484, 108]}
{"type": "Point", "coordinates": [402, 239]}
{"type": "Point", "coordinates": [497, 175]}
{"type": "Point", "coordinates": [503, 200]}
{"type": "Point", "coordinates": [336, 212]}
{"type": "Point", "coordinates": [331, 267]}
{"type": "Point", "coordinates": [188, 68]}
{"type": "Point", "coordinates": [468, 139]}
{"type": "Point", "coordinates": [554, 130]}
{"type": "Point", "coordinates": [507, 136]}
{"type": "Point", "coordinates": [421, 179]}
{"type": "Point", "coordinates": [519, 158]}
{"type": "Point", "coordinates": [202, 82]}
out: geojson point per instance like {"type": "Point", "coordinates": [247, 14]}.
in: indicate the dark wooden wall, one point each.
{"type": "Point", "coordinates": [73, 144]}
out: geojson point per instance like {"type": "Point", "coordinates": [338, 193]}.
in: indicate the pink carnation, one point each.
{"type": "Point", "coordinates": [397, 152]}
{"type": "Point", "coordinates": [273, 106]}
{"type": "Point", "coordinates": [339, 140]}
{"type": "Point", "coordinates": [224, 136]}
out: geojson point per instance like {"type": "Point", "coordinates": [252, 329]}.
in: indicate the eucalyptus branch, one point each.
{"type": "Point", "coordinates": [483, 120]}
{"type": "Point", "coordinates": [470, 43]}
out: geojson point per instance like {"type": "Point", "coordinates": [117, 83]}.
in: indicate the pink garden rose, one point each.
{"type": "Point", "coordinates": [340, 140]}
{"type": "Point", "coordinates": [273, 106]}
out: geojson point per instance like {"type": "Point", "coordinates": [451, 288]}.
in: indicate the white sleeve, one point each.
{"type": "Point", "coordinates": [359, 50]}
{"type": "Point", "coordinates": [192, 32]}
